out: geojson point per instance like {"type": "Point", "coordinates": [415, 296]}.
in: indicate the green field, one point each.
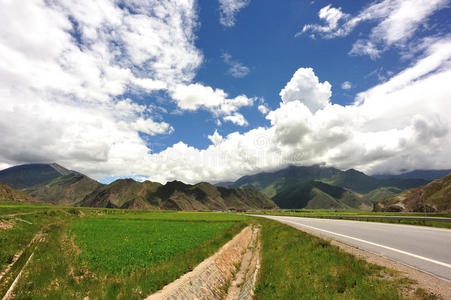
{"type": "Point", "coordinates": [122, 246]}
{"type": "Point", "coordinates": [108, 253]}
{"type": "Point", "coordinates": [125, 254]}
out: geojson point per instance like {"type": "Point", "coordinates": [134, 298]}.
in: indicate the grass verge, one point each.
{"type": "Point", "coordinates": [296, 265]}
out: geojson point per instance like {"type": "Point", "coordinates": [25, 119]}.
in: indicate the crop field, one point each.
{"type": "Point", "coordinates": [105, 253]}
{"type": "Point", "coordinates": [121, 246]}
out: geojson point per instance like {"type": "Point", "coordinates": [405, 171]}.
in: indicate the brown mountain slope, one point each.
{"type": "Point", "coordinates": [8, 194]}
{"type": "Point", "coordinates": [127, 193]}
{"type": "Point", "coordinates": [64, 190]}
{"type": "Point", "coordinates": [433, 197]}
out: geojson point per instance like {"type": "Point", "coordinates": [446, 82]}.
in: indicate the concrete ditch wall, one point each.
{"type": "Point", "coordinates": [211, 278]}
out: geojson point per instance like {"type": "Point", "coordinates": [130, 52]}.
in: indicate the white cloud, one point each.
{"type": "Point", "coordinates": [397, 21]}
{"type": "Point", "coordinates": [346, 85]}
{"type": "Point", "coordinates": [263, 109]}
{"type": "Point", "coordinates": [402, 124]}
{"type": "Point", "coordinates": [215, 138]}
{"type": "Point", "coordinates": [305, 87]}
{"type": "Point", "coordinates": [237, 119]}
{"type": "Point", "coordinates": [60, 99]}
{"type": "Point", "coordinates": [196, 95]}
{"type": "Point", "coordinates": [228, 9]}
{"type": "Point", "coordinates": [331, 17]}
{"type": "Point", "coordinates": [64, 66]}
{"type": "Point", "coordinates": [365, 47]}
{"type": "Point", "coordinates": [236, 69]}
{"type": "Point", "coordinates": [151, 127]}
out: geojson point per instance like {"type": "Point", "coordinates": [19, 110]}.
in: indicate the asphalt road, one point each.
{"type": "Point", "coordinates": [425, 248]}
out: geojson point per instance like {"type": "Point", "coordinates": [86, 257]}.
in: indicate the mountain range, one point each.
{"type": "Point", "coordinates": [433, 197]}
{"type": "Point", "coordinates": [10, 195]}
{"type": "Point", "coordinates": [294, 187]}
{"type": "Point", "coordinates": [54, 184]}
{"type": "Point", "coordinates": [324, 187]}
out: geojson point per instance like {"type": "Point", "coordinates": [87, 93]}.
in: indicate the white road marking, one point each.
{"type": "Point", "coordinates": [374, 244]}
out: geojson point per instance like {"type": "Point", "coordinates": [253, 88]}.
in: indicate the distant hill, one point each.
{"type": "Point", "coordinates": [29, 175]}
{"type": "Point", "coordinates": [362, 183]}
{"type": "Point", "coordinates": [316, 194]}
{"type": "Point", "coordinates": [224, 184]}
{"type": "Point", "coordinates": [433, 197]}
{"type": "Point", "coordinates": [271, 183]}
{"type": "Point", "coordinates": [8, 194]}
{"type": "Point", "coordinates": [50, 183]}
{"type": "Point", "coordinates": [54, 184]}
{"type": "Point", "coordinates": [419, 174]}
{"type": "Point", "coordinates": [127, 193]}
{"type": "Point", "coordinates": [312, 186]}
{"type": "Point", "coordinates": [64, 190]}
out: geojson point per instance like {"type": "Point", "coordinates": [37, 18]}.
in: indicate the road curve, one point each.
{"type": "Point", "coordinates": [425, 248]}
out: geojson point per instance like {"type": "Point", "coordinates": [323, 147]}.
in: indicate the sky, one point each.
{"type": "Point", "coordinates": [212, 90]}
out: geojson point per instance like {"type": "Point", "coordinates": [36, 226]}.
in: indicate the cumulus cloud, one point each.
{"type": "Point", "coordinates": [346, 85]}
{"type": "Point", "coordinates": [237, 119]}
{"type": "Point", "coordinates": [396, 22]}
{"type": "Point", "coordinates": [236, 69]}
{"type": "Point", "coordinates": [263, 109]}
{"type": "Point", "coordinates": [305, 87]}
{"type": "Point", "coordinates": [228, 10]}
{"type": "Point", "coordinates": [215, 138]}
{"type": "Point", "coordinates": [196, 95]}
{"type": "Point", "coordinates": [402, 124]}
{"type": "Point", "coordinates": [64, 74]}
{"type": "Point", "coordinates": [65, 66]}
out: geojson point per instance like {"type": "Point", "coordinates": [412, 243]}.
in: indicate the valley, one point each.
{"type": "Point", "coordinates": [65, 235]}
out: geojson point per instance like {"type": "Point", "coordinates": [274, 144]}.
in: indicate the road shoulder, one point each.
{"type": "Point", "coordinates": [432, 284]}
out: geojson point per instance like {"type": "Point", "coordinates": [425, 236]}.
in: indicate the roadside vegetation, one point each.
{"type": "Point", "coordinates": [109, 253]}
{"type": "Point", "coordinates": [296, 265]}
{"type": "Point", "coordinates": [361, 214]}
{"type": "Point", "coordinates": [104, 253]}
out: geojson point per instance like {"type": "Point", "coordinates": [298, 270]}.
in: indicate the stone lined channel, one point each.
{"type": "Point", "coordinates": [229, 274]}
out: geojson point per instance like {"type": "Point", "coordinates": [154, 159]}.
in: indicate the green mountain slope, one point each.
{"type": "Point", "coordinates": [24, 176]}
{"type": "Point", "coordinates": [271, 183]}
{"type": "Point", "coordinates": [362, 183]}
{"type": "Point", "coordinates": [64, 190]}
{"type": "Point", "coordinates": [433, 197]}
{"type": "Point", "coordinates": [293, 188]}
{"type": "Point", "coordinates": [127, 193]}
{"type": "Point", "coordinates": [316, 194]}
{"type": "Point", "coordinates": [8, 194]}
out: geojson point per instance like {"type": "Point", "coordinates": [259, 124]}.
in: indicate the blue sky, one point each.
{"type": "Point", "coordinates": [213, 90]}
{"type": "Point", "coordinates": [263, 39]}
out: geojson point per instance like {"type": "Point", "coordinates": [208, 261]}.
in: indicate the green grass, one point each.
{"type": "Point", "coordinates": [122, 254]}
{"type": "Point", "coordinates": [296, 265]}
{"type": "Point", "coordinates": [178, 216]}
{"type": "Point", "coordinates": [121, 246]}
